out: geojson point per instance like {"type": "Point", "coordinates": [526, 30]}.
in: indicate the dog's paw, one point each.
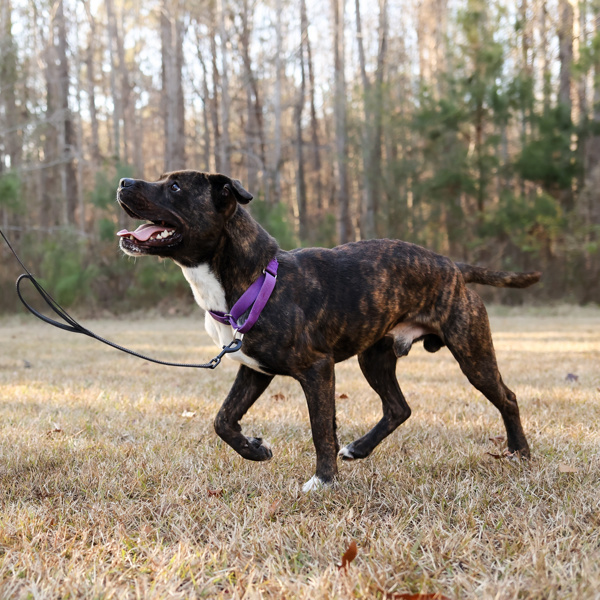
{"type": "Point", "coordinates": [315, 483]}
{"type": "Point", "coordinates": [261, 450]}
{"type": "Point", "coordinates": [346, 453]}
{"type": "Point", "coordinates": [519, 455]}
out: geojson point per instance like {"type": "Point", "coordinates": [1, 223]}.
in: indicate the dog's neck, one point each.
{"type": "Point", "coordinates": [242, 252]}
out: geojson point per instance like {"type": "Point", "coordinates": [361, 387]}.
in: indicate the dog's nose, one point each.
{"type": "Point", "coordinates": [126, 182]}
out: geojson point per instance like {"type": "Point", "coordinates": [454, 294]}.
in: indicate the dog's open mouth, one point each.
{"type": "Point", "coordinates": [150, 234]}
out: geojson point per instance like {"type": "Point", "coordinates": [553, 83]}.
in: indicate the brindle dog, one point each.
{"type": "Point", "coordinates": [372, 298]}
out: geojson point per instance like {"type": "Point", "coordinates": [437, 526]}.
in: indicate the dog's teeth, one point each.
{"type": "Point", "coordinates": [131, 237]}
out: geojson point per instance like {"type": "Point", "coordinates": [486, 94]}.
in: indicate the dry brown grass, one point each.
{"type": "Point", "coordinates": [106, 491]}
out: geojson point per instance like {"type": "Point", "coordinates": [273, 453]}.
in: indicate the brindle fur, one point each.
{"type": "Point", "coordinates": [328, 305]}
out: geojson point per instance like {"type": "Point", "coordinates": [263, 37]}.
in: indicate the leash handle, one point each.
{"type": "Point", "coordinates": [73, 326]}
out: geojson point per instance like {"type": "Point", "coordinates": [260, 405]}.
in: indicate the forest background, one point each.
{"type": "Point", "coordinates": [470, 127]}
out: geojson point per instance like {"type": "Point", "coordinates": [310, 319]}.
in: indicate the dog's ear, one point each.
{"type": "Point", "coordinates": [241, 195]}
{"type": "Point", "coordinates": [225, 188]}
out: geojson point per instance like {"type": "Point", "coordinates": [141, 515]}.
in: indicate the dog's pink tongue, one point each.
{"type": "Point", "coordinates": [142, 233]}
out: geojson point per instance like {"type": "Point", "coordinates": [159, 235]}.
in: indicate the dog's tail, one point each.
{"type": "Point", "coordinates": [473, 274]}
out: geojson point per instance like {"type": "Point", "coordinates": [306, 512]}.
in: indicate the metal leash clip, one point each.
{"type": "Point", "coordinates": [233, 346]}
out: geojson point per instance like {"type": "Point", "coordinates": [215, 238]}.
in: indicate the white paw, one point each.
{"type": "Point", "coordinates": [314, 483]}
{"type": "Point", "coordinates": [346, 454]}
{"type": "Point", "coordinates": [266, 444]}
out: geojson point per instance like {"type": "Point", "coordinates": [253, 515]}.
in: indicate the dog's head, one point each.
{"type": "Point", "coordinates": [185, 211]}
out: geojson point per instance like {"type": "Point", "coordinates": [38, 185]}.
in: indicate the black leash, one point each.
{"type": "Point", "coordinates": [74, 327]}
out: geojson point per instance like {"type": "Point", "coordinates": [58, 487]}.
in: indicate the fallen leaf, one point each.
{"type": "Point", "coordinates": [349, 555]}
{"type": "Point", "coordinates": [496, 456]}
{"type": "Point", "coordinates": [217, 493]}
{"type": "Point", "coordinates": [572, 377]}
{"type": "Point", "coordinates": [343, 396]}
{"type": "Point", "coordinates": [272, 510]}
{"type": "Point", "coordinates": [277, 397]}
{"type": "Point", "coordinates": [55, 429]}
{"type": "Point", "coordinates": [567, 469]}
{"type": "Point", "coordinates": [188, 414]}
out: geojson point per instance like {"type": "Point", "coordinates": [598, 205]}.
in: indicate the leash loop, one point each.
{"type": "Point", "coordinates": [73, 326]}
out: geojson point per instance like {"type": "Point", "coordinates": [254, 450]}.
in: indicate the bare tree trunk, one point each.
{"type": "Point", "coordinates": [277, 157]}
{"type": "Point", "coordinates": [300, 177]}
{"type": "Point", "coordinates": [592, 209]}
{"type": "Point", "coordinates": [126, 101]}
{"type": "Point", "coordinates": [49, 212]}
{"type": "Point", "coordinates": [172, 86]}
{"type": "Point", "coordinates": [225, 104]}
{"type": "Point", "coordinates": [314, 123]}
{"type": "Point", "coordinates": [255, 135]}
{"type": "Point", "coordinates": [13, 140]}
{"type": "Point", "coordinates": [81, 204]}
{"type": "Point", "coordinates": [116, 96]}
{"type": "Point", "coordinates": [372, 124]}
{"type": "Point", "coordinates": [215, 102]}
{"type": "Point", "coordinates": [207, 150]}
{"type": "Point", "coordinates": [66, 137]}
{"type": "Point", "coordinates": [375, 170]}
{"type": "Point", "coordinates": [565, 53]}
{"type": "Point", "coordinates": [546, 85]}
{"type": "Point", "coordinates": [367, 217]}
{"type": "Point", "coordinates": [526, 67]}
{"type": "Point", "coordinates": [440, 16]}
{"type": "Point", "coordinates": [588, 200]}
{"type": "Point", "coordinates": [582, 102]}
{"type": "Point", "coordinates": [341, 130]}
{"type": "Point", "coordinates": [428, 15]}
{"type": "Point", "coordinates": [91, 87]}
{"type": "Point", "coordinates": [121, 88]}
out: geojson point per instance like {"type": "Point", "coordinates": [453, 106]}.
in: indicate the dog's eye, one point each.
{"type": "Point", "coordinates": [175, 187]}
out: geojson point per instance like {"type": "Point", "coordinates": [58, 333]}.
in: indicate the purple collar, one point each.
{"type": "Point", "coordinates": [256, 296]}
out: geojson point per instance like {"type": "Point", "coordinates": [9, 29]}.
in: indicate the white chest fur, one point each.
{"type": "Point", "coordinates": [209, 295]}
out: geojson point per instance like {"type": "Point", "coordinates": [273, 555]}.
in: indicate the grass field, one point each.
{"type": "Point", "coordinates": [114, 485]}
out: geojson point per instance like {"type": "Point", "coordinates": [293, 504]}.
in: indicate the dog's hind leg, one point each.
{"type": "Point", "coordinates": [378, 364]}
{"type": "Point", "coordinates": [469, 339]}
{"type": "Point", "coordinates": [318, 384]}
{"type": "Point", "coordinates": [246, 389]}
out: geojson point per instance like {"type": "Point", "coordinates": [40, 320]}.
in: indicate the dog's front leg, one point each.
{"type": "Point", "coordinates": [247, 387]}
{"type": "Point", "coordinates": [318, 383]}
